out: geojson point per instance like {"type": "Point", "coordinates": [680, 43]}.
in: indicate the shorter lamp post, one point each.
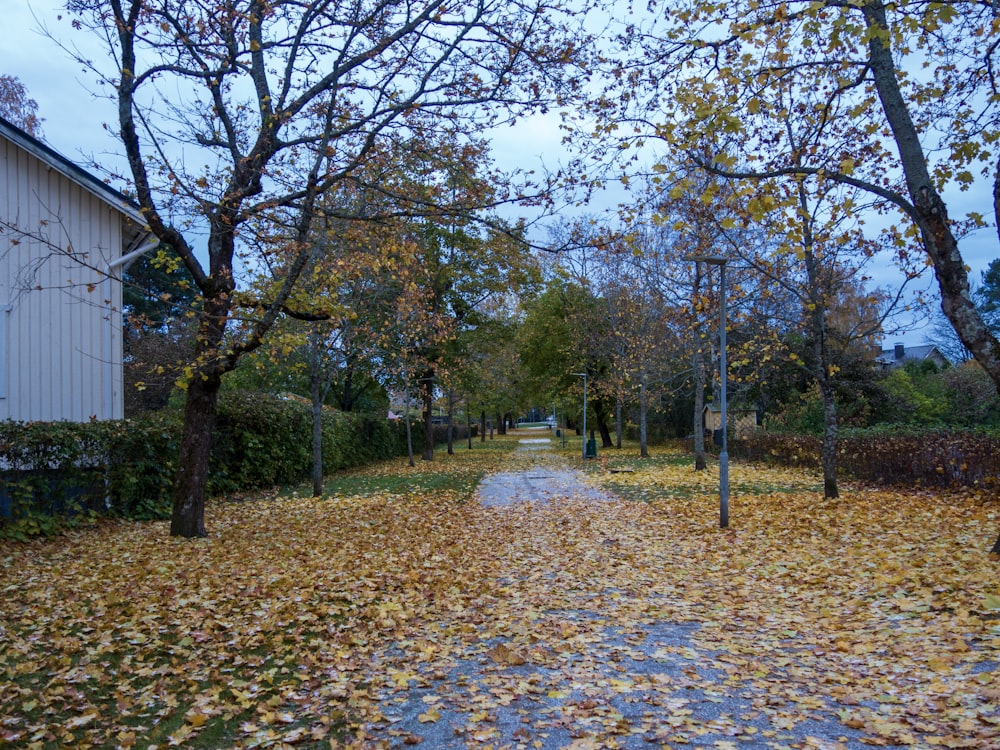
{"type": "Point", "coordinates": [584, 376]}
{"type": "Point", "coordinates": [720, 261]}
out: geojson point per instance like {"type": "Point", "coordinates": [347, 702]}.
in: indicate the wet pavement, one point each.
{"type": "Point", "coordinates": [606, 684]}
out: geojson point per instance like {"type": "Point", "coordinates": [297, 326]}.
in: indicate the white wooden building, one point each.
{"type": "Point", "coordinates": [65, 237]}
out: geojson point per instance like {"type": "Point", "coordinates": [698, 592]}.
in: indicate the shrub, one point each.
{"type": "Point", "coordinates": [142, 463]}
{"type": "Point", "coordinates": [50, 477]}
{"type": "Point", "coordinates": [351, 439]}
{"type": "Point", "coordinates": [890, 455]}
{"type": "Point", "coordinates": [260, 440]}
{"type": "Point", "coordinates": [786, 449]}
{"type": "Point", "coordinates": [55, 474]}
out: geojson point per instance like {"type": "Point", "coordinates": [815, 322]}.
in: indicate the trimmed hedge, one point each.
{"type": "Point", "coordinates": [55, 474]}
{"type": "Point", "coordinates": [51, 476]}
{"type": "Point", "coordinates": [890, 456]}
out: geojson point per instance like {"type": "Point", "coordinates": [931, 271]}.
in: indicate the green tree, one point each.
{"type": "Point", "coordinates": [916, 397]}
{"type": "Point", "coordinates": [160, 320]}
{"type": "Point", "coordinates": [973, 402]}
{"type": "Point", "coordinates": [567, 331]}
{"type": "Point", "coordinates": [492, 372]}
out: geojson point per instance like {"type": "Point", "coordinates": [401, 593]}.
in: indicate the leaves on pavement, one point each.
{"type": "Point", "coordinates": [306, 622]}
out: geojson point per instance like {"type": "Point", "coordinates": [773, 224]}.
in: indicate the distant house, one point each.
{"type": "Point", "coordinates": [65, 238]}
{"type": "Point", "coordinates": [900, 355]}
{"type": "Point", "coordinates": [741, 421]}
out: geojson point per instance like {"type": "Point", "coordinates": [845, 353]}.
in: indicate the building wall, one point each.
{"type": "Point", "coordinates": [742, 422]}
{"type": "Point", "coordinates": [61, 337]}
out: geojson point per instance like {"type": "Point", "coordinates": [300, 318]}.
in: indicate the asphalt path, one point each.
{"type": "Point", "coordinates": [540, 484]}
{"type": "Point", "coordinates": [625, 688]}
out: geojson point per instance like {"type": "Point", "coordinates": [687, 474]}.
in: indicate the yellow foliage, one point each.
{"type": "Point", "coordinates": [301, 618]}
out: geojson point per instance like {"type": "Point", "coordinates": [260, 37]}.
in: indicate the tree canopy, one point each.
{"type": "Point", "coordinates": [896, 100]}
{"type": "Point", "coordinates": [237, 116]}
{"type": "Point", "coordinates": [17, 107]}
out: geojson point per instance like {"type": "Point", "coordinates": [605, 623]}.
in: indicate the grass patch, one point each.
{"type": "Point", "coordinates": [459, 473]}
{"type": "Point", "coordinates": [669, 472]}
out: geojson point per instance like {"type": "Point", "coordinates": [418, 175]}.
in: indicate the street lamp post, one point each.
{"type": "Point", "coordinates": [720, 261]}
{"type": "Point", "coordinates": [584, 376]}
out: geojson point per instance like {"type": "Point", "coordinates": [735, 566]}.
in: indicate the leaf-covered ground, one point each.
{"type": "Point", "coordinates": [405, 613]}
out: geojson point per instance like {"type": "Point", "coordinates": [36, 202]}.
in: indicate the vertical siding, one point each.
{"type": "Point", "coordinates": [63, 354]}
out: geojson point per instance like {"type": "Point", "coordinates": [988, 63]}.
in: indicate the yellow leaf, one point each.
{"type": "Point", "coordinates": [429, 716]}
{"type": "Point", "coordinates": [196, 719]}
{"type": "Point", "coordinates": [503, 654]}
{"type": "Point", "coordinates": [80, 721]}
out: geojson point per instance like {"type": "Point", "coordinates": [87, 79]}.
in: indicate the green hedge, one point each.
{"type": "Point", "coordinates": [890, 455]}
{"type": "Point", "coordinates": [51, 476]}
{"type": "Point", "coordinates": [54, 474]}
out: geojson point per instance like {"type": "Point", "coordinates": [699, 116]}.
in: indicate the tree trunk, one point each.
{"type": "Point", "coordinates": [427, 393]}
{"type": "Point", "coordinates": [829, 439]}
{"type": "Point", "coordinates": [821, 369]}
{"type": "Point", "coordinates": [188, 517]}
{"type": "Point", "coordinates": [409, 430]}
{"type": "Point", "coordinates": [451, 428]}
{"type": "Point", "coordinates": [643, 410]}
{"type": "Point", "coordinates": [482, 427]}
{"type": "Point", "coordinates": [601, 412]}
{"type": "Point", "coordinates": [316, 392]}
{"type": "Point", "coordinates": [700, 457]}
{"type": "Point", "coordinates": [698, 368]}
{"type": "Point", "coordinates": [618, 423]}
{"type": "Point", "coordinates": [348, 396]}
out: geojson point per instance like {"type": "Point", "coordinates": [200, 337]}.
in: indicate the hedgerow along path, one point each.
{"type": "Point", "coordinates": [393, 614]}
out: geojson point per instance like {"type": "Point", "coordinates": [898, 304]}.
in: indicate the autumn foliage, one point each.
{"type": "Point", "coordinates": [311, 622]}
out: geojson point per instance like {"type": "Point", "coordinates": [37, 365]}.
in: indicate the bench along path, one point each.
{"type": "Point", "coordinates": [558, 661]}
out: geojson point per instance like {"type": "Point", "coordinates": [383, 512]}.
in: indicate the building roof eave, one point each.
{"type": "Point", "coordinates": [73, 172]}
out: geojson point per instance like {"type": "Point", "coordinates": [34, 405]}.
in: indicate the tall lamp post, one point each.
{"type": "Point", "coordinates": [584, 376]}
{"type": "Point", "coordinates": [720, 261]}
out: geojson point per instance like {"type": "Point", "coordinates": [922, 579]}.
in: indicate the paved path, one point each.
{"type": "Point", "coordinates": [608, 685]}
{"type": "Point", "coordinates": [542, 484]}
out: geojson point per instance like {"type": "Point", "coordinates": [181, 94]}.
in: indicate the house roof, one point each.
{"type": "Point", "coordinates": [75, 174]}
{"type": "Point", "coordinates": [910, 354]}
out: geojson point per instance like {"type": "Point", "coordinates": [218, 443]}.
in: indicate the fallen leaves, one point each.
{"type": "Point", "coordinates": [342, 621]}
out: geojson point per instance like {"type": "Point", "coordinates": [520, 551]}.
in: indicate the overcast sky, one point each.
{"type": "Point", "coordinates": [73, 118]}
